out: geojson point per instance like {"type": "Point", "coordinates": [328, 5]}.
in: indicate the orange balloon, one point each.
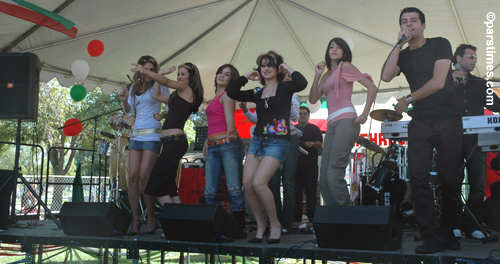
{"type": "Point", "coordinates": [73, 130]}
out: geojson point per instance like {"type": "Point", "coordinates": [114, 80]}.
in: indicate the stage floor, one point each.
{"type": "Point", "coordinates": [292, 246]}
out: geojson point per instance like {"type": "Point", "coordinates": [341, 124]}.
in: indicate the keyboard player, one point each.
{"type": "Point", "coordinates": [471, 93]}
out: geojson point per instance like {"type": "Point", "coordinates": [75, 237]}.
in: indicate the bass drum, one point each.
{"type": "Point", "coordinates": [119, 159]}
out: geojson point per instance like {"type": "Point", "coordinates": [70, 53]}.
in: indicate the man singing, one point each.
{"type": "Point", "coordinates": [426, 64]}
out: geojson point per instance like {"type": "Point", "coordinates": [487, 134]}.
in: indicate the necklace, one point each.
{"type": "Point", "coordinates": [267, 98]}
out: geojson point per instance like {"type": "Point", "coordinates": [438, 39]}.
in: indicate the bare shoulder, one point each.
{"type": "Point", "coordinates": [349, 66]}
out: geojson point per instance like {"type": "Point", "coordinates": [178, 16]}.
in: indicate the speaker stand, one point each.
{"type": "Point", "coordinates": [17, 175]}
{"type": "Point", "coordinates": [487, 237]}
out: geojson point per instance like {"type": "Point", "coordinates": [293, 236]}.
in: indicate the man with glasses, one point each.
{"type": "Point", "coordinates": [306, 175]}
{"type": "Point", "coordinates": [471, 94]}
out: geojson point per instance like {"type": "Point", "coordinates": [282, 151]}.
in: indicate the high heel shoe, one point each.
{"type": "Point", "coordinates": [259, 240]}
{"type": "Point", "coordinates": [274, 240]}
{"type": "Point", "coordinates": [135, 233]}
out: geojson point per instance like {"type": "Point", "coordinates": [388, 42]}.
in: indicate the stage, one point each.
{"type": "Point", "coordinates": [295, 246]}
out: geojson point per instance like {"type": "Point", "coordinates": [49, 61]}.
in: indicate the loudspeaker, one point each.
{"type": "Point", "coordinates": [93, 219]}
{"type": "Point", "coordinates": [19, 85]}
{"type": "Point", "coordinates": [357, 227]}
{"type": "Point", "coordinates": [197, 223]}
{"type": "Point", "coordinates": [5, 196]}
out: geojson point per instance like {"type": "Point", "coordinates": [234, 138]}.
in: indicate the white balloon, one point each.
{"type": "Point", "coordinates": [80, 69]}
{"type": "Point", "coordinates": [314, 107]}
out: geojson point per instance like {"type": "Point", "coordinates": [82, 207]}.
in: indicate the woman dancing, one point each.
{"type": "Point", "coordinates": [186, 99]}
{"type": "Point", "coordinates": [224, 148]}
{"type": "Point", "coordinates": [343, 122]}
{"type": "Point", "coordinates": [271, 139]}
{"type": "Point", "coordinates": [144, 139]}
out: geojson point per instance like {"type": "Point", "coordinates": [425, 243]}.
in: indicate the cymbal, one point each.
{"type": "Point", "coordinates": [385, 115]}
{"type": "Point", "coordinates": [369, 144]}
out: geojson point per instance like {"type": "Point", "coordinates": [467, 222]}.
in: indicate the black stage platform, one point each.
{"type": "Point", "coordinates": [472, 251]}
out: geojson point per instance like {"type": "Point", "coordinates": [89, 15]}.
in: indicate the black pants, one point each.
{"type": "Point", "coordinates": [162, 179]}
{"type": "Point", "coordinates": [476, 173]}
{"type": "Point", "coordinates": [306, 179]}
{"type": "Point", "coordinates": [444, 134]}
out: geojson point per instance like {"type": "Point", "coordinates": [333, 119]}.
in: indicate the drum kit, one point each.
{"type": "Point", "coordinates": [387, 182]}
{"type": "Point", "coordinates": [117, 152]}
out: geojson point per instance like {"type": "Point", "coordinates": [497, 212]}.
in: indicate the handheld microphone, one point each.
{"type": "Point", "coordinates": [404, 37]}
{"type": "Point", "coordinates": [457, 68]}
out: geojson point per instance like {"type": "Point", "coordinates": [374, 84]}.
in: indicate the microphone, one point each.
{"type": "Point", "coordinates": [403, 38]}
{"type": "Point", "coordinates": [460, 80]}
{"type": "Point", "coordinates": [108, 135]}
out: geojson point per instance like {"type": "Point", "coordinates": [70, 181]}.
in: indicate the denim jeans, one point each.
{"type": "Point", "coordinates": [227, 157]}
{"type": "Point", "coordinates": [286, 175]}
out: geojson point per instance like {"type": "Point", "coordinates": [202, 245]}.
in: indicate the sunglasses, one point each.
{"type": "Point", "coordinates": [471, 56]}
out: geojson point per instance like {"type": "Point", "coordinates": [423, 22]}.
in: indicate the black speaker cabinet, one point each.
{"type": "Point", "coordinates": [197, 222]}
{"type": "Point", "coordinates": [93, 219]}
{"type": "Point", "coordinates": [357, 227]}
{"type": "Point", "coordinates": [5, 196]}
{"type": "Point", "coordinates": [19, 86]}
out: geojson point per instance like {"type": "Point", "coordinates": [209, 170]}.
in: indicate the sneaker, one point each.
{"type": "Point", "coordinates": [451, 241]}
{"type": "Point", "coordinates": [303, 226]}
{"type": "Point", "coordinates": [430, 245]}
{"type": "Point", "coordinates": [457, 232]}
{"type": "Point", "coordinates": [476, 235]}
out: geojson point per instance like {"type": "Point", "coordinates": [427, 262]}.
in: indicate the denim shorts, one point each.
{"type": "Point", "coordinates": [274, 147]}
{"type": "Point", "coordinates": [154, 146]}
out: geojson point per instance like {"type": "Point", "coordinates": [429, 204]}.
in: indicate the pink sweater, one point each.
{"type": "Point", "coordinates": [338, 91]}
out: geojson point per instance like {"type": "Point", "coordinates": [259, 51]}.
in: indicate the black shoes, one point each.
{"type": "Point", "coordinates": [451, 242]}
{"type": "Point", "coordinates": [259, 240]}
{"type": "Point", "coordinates": [430, 245]}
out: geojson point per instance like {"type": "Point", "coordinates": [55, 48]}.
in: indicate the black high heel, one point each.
{"type": "Point", "coordinates": [135, 233]}
{"type": "Point", "coordinates": [274, 240]}
{"type": "Point", "coordinates": [259, 240]}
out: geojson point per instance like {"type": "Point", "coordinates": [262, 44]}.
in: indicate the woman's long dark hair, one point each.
{"type": "Point", "coordinates": [273, 59]}
{"type": "Point", "coordinates": [195, 85]}
{"type": "Point", "coordinates": [346, 52]}
{"type": "Point", "coordinates": [137, 80]}
{"type": "Point", "coordinates": [234, 75]}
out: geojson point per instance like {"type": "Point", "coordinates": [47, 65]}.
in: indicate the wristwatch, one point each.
{"type": "Point", "coordinates": [409, 99]}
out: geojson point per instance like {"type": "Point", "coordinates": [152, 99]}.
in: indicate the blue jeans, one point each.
{"type": "Point", "coordinates": [286, 175]}
{"type": "Point", "coordinates": [227, 157]}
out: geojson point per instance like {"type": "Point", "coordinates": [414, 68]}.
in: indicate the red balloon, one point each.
{"type": "Point", "coordinates": [74, 129]}
{"type": "Point", "coordinates": [95, 48]}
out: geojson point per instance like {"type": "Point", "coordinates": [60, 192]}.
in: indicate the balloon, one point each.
{"type": "Point", "coordinates": [95, 48]}
{"type": "Point", "coordinates": [78, 92]}
{"type": "Point", "coordinates": [80, 69]}
{"type": "Point", "coordinates": [314, 107]}
{"type": "Point", "coordinates": [74, 129]}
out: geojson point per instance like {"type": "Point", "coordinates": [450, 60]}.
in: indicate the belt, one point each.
{"type": "Point", "coordinates": [172, 138]}
{"type": "Point", "coordinates": [144, 131]}
{"type": "Point", "coordinates": [341, 111]}
{"type": "Point", "coordinates": [218, 142]}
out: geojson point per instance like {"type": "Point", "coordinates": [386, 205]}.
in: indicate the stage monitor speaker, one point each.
{"type": "Point", "coordinates": [357, 227]}
{"type": "Point", "coordinates": [5, 196]}
{"type": "Point", "coordinates": [93, 219]}
{"type": "Point", "coordinates": [197, 223]}
{"type": "Point", "coordinates": [19, 86]}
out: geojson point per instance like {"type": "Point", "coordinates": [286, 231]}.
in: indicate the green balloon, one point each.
{"type": "Point", "coordinates": [78, 92]}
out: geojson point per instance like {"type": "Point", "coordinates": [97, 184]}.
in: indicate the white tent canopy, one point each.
{"type": "Point", "coordinates": [210, 33]}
